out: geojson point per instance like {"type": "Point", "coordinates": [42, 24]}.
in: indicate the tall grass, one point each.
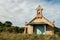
{"type": "Point", "coordinates": [19, 36]}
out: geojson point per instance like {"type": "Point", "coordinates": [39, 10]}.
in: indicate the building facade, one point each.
{"type": "Point", "coordinates": [39, 24]}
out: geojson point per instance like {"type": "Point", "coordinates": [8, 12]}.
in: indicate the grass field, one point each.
{"type": "Point", "coordinates": [18, 36]}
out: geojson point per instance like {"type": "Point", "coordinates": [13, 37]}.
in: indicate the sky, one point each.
{"type": "Point", "coordinates": [21, 11]}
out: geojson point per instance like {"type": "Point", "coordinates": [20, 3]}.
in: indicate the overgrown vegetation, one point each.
{"type": "Point", "coordinates": [18, 36]}
{"type": "Point", "coordinates": [7, 27]}
{"type": "Point", "coordinates": [57, 31]}
{"type": "Point", "coordinates": [9, 32]}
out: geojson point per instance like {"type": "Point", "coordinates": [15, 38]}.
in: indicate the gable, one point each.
{"type": "Point", "coordinates": [41, 20]}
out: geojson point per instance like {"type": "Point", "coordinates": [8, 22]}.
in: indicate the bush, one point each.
{"type": "Point", "coordinates": [18, 36]}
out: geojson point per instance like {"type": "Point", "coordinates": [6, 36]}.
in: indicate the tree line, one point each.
{"type": "Point", "coordinates": [7, 27]}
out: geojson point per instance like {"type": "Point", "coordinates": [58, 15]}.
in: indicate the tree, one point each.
{"type": "Point", "coordinates": [8, 23]}
{"type": "Point", "coordinates": [1, 28]}
{"type": "Point", "coordinates": [1, 23]}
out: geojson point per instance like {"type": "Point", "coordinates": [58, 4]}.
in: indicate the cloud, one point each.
{"type": "Point", "coordinates": [19, 11]}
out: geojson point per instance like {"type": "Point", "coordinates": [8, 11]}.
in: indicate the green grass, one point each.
{"type": "Point", "coordinates": [18, 36]}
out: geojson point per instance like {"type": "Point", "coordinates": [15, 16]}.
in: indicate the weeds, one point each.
{"type": "Point", "coordinates": [19, 36]}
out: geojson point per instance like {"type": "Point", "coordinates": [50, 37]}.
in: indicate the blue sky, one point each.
{"type": "Point", "coordinates": [20, 11]}
{"type": "Point", "coordinates": [54, 1]}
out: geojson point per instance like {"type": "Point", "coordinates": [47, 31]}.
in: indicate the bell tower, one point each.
{"type": "Point", "coordinates": [39, 12]}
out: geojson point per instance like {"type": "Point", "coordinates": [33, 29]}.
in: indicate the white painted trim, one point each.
{"type": "Point", "coordinates": [44, 29]}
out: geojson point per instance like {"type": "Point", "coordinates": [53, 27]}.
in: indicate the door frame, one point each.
{"type": "Point", "coordinates": [44, 29]}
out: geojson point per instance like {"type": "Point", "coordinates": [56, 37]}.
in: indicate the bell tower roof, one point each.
{"type": "Point", "coordinates": [39, 8]}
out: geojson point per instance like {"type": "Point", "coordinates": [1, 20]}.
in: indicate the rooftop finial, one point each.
{"type": "Point", "coordinates": [39, 8]}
